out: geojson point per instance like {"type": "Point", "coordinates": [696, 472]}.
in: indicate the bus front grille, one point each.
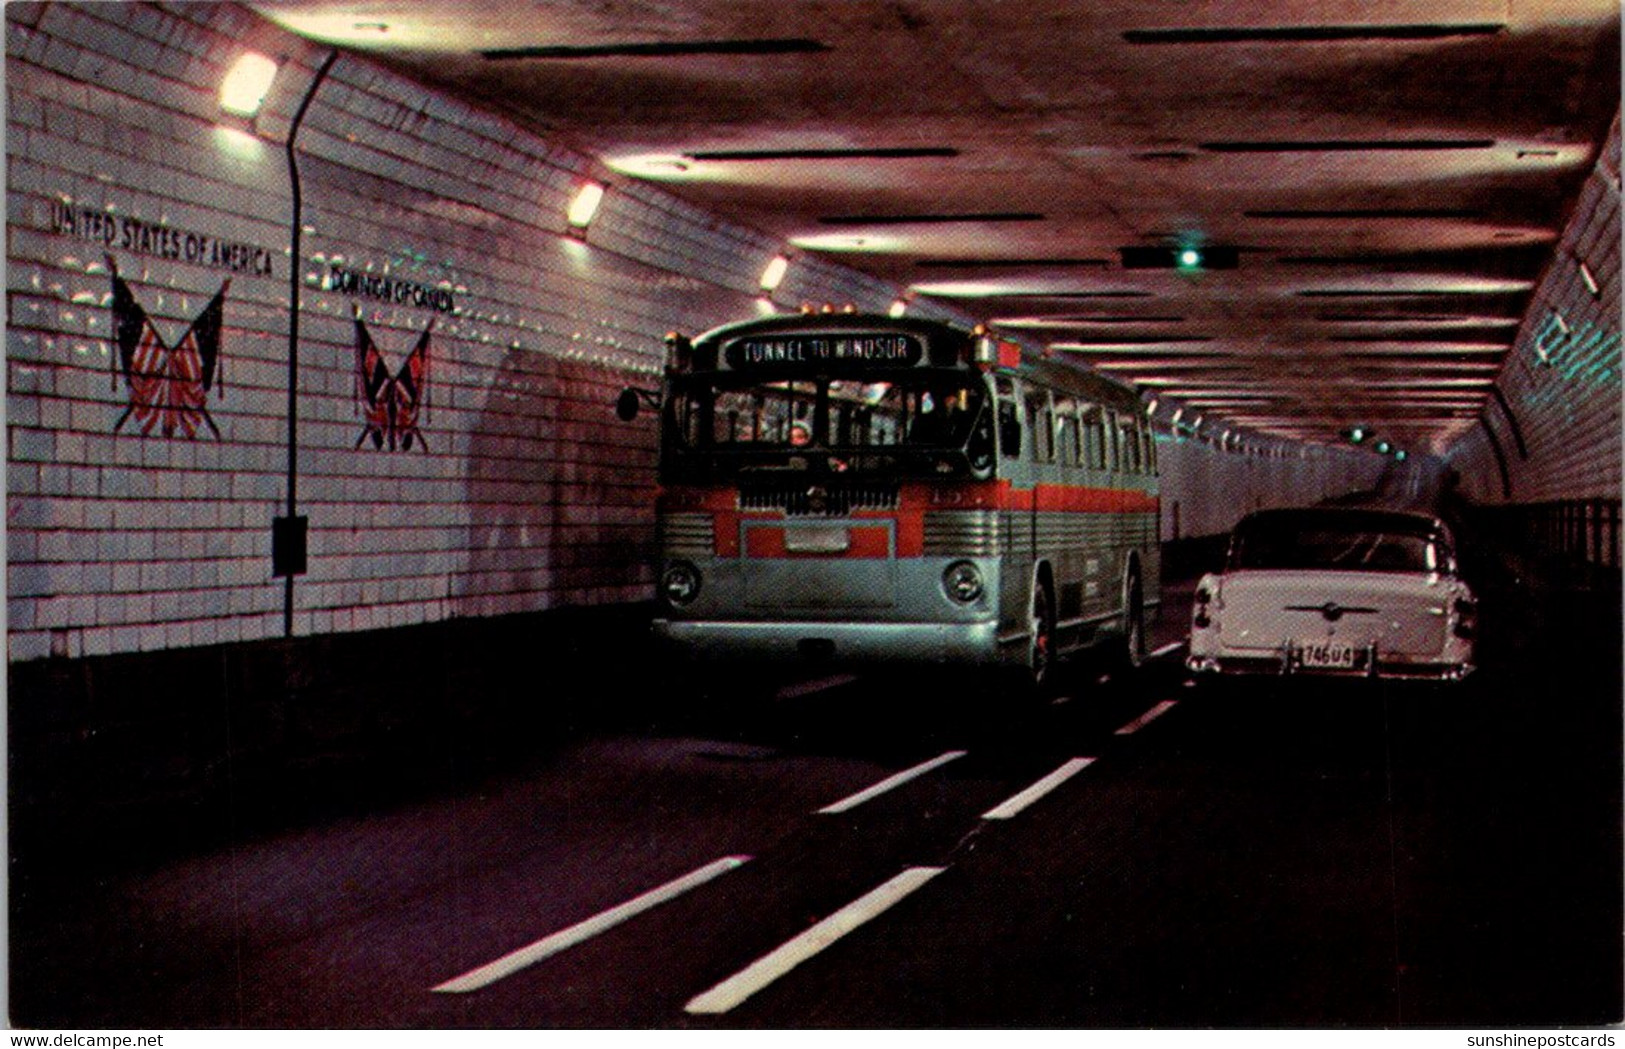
{"type": "Point", "coordinates": [686, 535]}
{"type": "Point", "coordinates": [817, 500]}
{"type": "Point", "coordinates": [962, 533]}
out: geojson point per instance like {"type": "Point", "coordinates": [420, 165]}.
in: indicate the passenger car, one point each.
{"type": "Point", "coordinates": [1336, 591]}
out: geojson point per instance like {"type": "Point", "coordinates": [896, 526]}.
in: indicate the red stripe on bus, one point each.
{"type": "Point", "coordinates": [916, 498]}
{"type": "Point", "coordinates": [1050, 498]}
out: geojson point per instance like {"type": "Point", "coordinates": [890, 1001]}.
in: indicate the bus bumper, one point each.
{"type": "Point", "coordinates": [973, 644]}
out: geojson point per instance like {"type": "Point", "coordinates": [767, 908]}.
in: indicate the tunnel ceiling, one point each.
{"type": "Point", "coordinates": [1378, 187]}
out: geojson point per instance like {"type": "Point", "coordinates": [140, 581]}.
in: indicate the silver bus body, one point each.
{"type": "Point", "coordinates": [816, 552]}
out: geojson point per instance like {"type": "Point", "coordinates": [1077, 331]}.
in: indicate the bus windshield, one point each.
{"type": "Point", "coordinates": [919, 417]}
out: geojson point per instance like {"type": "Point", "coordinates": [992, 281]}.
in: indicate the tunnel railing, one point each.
{"type": "Point", "coordinates": [1578, 536]}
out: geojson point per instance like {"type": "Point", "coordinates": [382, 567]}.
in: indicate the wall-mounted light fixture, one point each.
{"type": "Point", "coordinates": [246, 84]}
{"type": "Point", "coordinates": [585, 205]}
{"type": "Point", "coordinates": [1591, 282]}
{"type": "Point", "coordinates": [773, 276]}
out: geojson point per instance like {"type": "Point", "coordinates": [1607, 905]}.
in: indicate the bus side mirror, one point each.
{"type": "Point", "coordinates": [631, 398]}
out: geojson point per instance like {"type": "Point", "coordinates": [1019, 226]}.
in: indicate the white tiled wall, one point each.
{"type": "Point", "coordinates": [1206, 489]}
{"type": "Point", "coordinates": [1562, 380]}
{"type": "Point", "coordinates": [528, 494]}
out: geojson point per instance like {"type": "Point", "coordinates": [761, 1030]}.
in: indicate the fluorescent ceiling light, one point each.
{"type": "Point", "coordinates": [773, 276]}
{"type": "Point", "coordinates": [244, 89]}
{"type": "Point", "coordinates": [585, 205]}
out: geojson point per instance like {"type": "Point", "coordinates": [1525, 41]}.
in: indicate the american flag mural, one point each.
{"type": "Point", "coordinates": [169, 385]}
{"type": "Point", "coordinates": [391, 404]}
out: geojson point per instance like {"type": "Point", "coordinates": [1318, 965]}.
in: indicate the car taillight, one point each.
{"type": "Point", "coordinates": [1199, 616]}
{"type": "Point", "coordinates": [1466, 618]}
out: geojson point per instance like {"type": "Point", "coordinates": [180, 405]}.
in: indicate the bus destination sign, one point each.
{"type": "Point", "coordinates": [768, 351]}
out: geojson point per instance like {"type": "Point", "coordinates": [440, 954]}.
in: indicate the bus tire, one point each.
{"type": "Point", "coordinates": [1134, 642]}
{"type": "Point", "coordinates": [1041, 652]}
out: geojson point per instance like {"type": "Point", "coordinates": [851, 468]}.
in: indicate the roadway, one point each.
{"type": "Point", "coordinates": [1131, 852]}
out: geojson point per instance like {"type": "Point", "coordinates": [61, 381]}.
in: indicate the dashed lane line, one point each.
{"type": "Point", "coordinates": [511, 963]}
{"type": "Point", "coordinates": [808, 688]}
{"type": "Point", "coordinates": [1145, 719]}
{"type": "Point", "coordinates": [758, 974]}
{"type": "Point", "coordinates": [1014, 804]}
{"type": "Point", "coordinates": [890, 782]}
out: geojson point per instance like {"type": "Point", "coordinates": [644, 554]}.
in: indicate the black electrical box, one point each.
{"type": "Point", "coordinates": [288, 546]}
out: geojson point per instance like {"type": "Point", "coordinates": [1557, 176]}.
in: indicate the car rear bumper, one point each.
{"type": "Point", "coordinates": [1371, 663]}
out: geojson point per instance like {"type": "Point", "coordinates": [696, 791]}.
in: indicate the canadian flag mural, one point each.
{"type": "Point", "coordinates": [391, 403]}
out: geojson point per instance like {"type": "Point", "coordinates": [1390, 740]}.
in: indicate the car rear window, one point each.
{"type": "Point", "coordinates": [1369, 546]}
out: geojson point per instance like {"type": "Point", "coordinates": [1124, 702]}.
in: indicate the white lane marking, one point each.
{"type": "Point", "coordinates": [511, 963]}
{"type": "Point", "coordinates": [1145, 719]}
{"type": "Point", "coordinates": [1165, 649]}
{"type": "Point", "coordinates": [807, 688]}
{"type": "Point", "coordinates": [769, 967]}
{"type": "Point", "coordinates": [1016, 803]}
{"type": "Point", "coordinates": [889, 782]}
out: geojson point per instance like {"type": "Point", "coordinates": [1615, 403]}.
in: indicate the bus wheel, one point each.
{"type": "Point", "coordinates": [1134, 622]}
{"type": "Point", "coordinates": [1041, 638]}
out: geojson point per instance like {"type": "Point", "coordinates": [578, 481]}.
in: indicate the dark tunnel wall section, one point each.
{"type": "Point", "coordinates": [1562, 380]}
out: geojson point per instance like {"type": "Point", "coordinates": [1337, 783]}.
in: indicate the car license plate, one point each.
{"type": "Point", "coordinates": [1322, 654]}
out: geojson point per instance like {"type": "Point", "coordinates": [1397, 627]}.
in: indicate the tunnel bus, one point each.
{"type": "Point", "coordinates": [862, 489]}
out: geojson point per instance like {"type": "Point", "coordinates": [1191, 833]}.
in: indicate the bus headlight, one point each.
{"type": "Point", "coordinates": [680, 583]}
{"type": "Point", "coordinates": [963, 582]}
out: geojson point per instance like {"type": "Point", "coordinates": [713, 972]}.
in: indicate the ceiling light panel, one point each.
{"type": "Point", "coordinates": [660, 49]}
{"type": "Point", "coordinates": [777, 155]}
{"type": "Point", "coordinates": [931, 218]}
{"type": "Point", "coordinates": [1410, 145]}
{"type": "Point", "coordinates": [1309, 34]}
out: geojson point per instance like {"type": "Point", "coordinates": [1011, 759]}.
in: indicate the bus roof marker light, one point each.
{"type": "Point", "coordinates": [585, 205]}
{"type": "Point", "coordinates": [246, 84]}
{"type": "Point", "coordinates": [897, 308]}
{"type": "Point", "coordinates": [773, 276]}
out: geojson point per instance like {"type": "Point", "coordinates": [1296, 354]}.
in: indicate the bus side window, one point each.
{"type": "Point", "coordinates": [1131, 446]}
{"type": "Point", "coordinates": [1009, 419]}
{"type": "Point", "coordinates": [1150, 451]}
{"type": "Point", "coordinates": [1009, 431]}
{"type": "Point", "coordinates": [1114, 459]}
{"type": "Point", "coordinates": [1066, 432]}
{"type": "Point", "coordinates": [1094, 434]}
{"type": "Point", "coordinates": [1041, 423]}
